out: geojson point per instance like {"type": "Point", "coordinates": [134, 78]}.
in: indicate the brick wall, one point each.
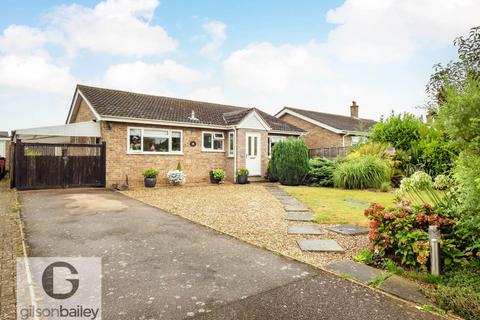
{"type": "Point", "coordinates": [196, 163]}
{"type": "Point", "coordinates": [83, 113]}
{"type": "Point", "coordinates": [317, 137]}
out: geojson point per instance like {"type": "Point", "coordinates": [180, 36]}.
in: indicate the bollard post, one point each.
{"type": "Point", "coordinates": [434, 239]}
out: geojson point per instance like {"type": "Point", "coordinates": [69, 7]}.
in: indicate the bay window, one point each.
{"type": "Point", "coordinates": [146, 140]}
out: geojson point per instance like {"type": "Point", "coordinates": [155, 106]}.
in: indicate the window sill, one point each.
{"type": "Point", "coordinates": [157, 153]}
{"type": "Point", "coordinates": [217, 151]}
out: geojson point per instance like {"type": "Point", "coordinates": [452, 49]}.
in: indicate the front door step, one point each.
{"type": "Point", "coordinates": [304, 229]}
{"type": "Point", "coordinates": [300, 217]}
{"type": "Point", "coordinates": [320, 245]}
{"type": "Point", "coordinates": [349, 229]}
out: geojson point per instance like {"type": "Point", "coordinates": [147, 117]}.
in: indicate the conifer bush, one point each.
{"type": "Point", "coordinates": [289, 163]}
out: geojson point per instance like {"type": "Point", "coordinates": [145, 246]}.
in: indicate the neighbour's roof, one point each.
{"type": "Point", "coordinates": [116, 103]}
{"type": "Point", "coordinates": [344, 123]}
{"type": "Point", "coordinates": [4, 134]}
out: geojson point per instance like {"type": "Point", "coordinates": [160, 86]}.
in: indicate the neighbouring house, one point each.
{"type": "Point", "coordinates": [142, 131]}
{"type": "Point", "coordinates": [5, 147]}
{"type": "Point", "coordinates": [325, 130]}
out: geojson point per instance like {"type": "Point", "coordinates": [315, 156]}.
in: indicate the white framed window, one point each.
{"type": "Point", "coordinates": [213, 141]}
{"type": "Point", "coordinates": [358, 139]}
{"type": "Point", "coordinates": [271, 142]}
{"type": "Point", "coordinates": [154, 141]}
{"type": "Point", "coordinates": [231, 144]}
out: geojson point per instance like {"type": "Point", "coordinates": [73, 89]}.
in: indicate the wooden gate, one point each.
{"type": "Point", "coordinates": [51, 165]}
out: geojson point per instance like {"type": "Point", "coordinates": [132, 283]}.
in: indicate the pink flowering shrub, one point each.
{"type": "Point", "coordinates": [401, 232]}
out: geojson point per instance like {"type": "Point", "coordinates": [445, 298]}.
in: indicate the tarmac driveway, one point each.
{"type": "Point", "coordinates": [160, 266]}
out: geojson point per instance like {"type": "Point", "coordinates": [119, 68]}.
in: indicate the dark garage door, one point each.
{"type": "Point", "coordinates": [48, 165]}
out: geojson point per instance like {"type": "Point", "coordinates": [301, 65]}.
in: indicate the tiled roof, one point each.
{"type": "Point", "coordinates": [116, 103]}
{"type": "Point", "coordinates": [336, 121]}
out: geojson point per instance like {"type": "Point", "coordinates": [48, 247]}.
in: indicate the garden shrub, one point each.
{"type": "Point", "coordinates": [399, 131]}
{"type": "Point", "coordinates": [289, 163]}
{"type": "Point", "coordinates": [320, 172]}
{"type": "Point", "coordinates": [402, 231]}
{"type": "Point", "coordinates": [459, 291]}
{"type": "Point", "coordinates": [363, 173]}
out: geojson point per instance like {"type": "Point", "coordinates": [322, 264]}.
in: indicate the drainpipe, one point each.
{"type": "Point", "coordinates": [234, 154]}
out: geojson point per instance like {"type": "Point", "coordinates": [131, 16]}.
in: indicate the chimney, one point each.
{"type": "Point", "coordinates": [354, 110]}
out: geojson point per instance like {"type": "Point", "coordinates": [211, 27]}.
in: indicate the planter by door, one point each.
{"type": "Point", "coordinates": [242, 179]}
{"type": "Point", "coordinates": [253, 161]}
{"type": "Point", "coordinates": [150, 182]}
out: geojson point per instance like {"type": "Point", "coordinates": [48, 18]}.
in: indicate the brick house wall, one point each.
{"type": "Point", "coordinates": [195, 162]}
{"type": "Point", "coordinates": [317, 137]}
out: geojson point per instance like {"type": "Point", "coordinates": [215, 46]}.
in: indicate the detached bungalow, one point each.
{"type": "Point", "coordinates": [325, 130]}
{"type": "Point", "coordinates": [142, 131]}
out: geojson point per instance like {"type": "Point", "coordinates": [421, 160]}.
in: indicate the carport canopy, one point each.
{"type": "Point", "coordinates": [79, 129]}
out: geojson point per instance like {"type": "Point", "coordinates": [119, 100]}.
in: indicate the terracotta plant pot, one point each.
{"type": "Point", "coordinates": [150, 182]}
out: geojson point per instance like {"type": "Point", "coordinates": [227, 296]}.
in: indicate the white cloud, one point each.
{"type": "Point", "coordinates": [35, 73]}
{"type": "Point", "coordinates": [209, 94]}
{"type": "Point", "coordinates": [266, 68]}
{"type": "Point", "coordinates": [22, 40]}
{"type": "Point", "coordinates": [118, 27]}
{"type": "Point", "coordinates": [387, 31]}
{"type": "Point", "coordinates": [149, 78]}
{"type": "Point", "coordinates": [217, 33]}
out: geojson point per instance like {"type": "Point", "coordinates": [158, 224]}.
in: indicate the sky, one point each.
{"type": "Point", "coordinates": [316, 55]}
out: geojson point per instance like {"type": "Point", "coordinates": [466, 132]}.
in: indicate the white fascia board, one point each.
{"type": "Point", "coordinates": [317, 123]}
{"type": "Point", "coordinates": [165, 123]}
{"type": "Point", "coordinates": [290, 133]}
{"type": "Point", "coordinates": [74, 103]}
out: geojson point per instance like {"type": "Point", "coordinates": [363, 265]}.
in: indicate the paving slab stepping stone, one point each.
{"type": "Point", "coordinates": [320, 245]}
{"type": "Point", "coordinates": [304, 229]}
{"type": "Point", "coordinates": [349, 229]}
{"type": "Point", "coordinates": [300, 217]}
{"type": "Point", "coordinates": [404, 289]}
{"type": "Point", "coordinates": [355, 201]}
{"type": "Point", "coordinates": [295, 207]}
{"type": "Point", "coordinates": [359, 271]}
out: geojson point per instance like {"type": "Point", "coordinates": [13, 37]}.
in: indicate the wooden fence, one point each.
{"type": "Point", "coordinates": [329, 153]}
{"type": "Point", "coordinates": [51, 165]}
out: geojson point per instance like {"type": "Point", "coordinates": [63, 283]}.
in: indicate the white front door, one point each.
{"type": "Point", "coordinates": [253, 159]}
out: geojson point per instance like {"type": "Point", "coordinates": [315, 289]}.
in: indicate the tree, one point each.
{"type": "Point", "coordinates": [455, 73]}
{"type": "Point", "coordinates": [400, 131]}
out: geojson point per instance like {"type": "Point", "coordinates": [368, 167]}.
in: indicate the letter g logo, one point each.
{"type": "Point", "coordinates": [47, 280]}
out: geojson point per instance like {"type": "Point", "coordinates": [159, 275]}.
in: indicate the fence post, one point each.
{"type": "Point", "coordinates": [103, 160]}
{"type": "Point", "coordinates": [434, 239]}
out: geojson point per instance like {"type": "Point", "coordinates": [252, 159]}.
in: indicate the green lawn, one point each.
{"type": "Point", "coordinates": [333, 206]}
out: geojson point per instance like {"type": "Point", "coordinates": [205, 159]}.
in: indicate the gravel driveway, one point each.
{"type": "Point", "coordinates": [160, 266]}
{"type": "Point", "coordinates": [247, 212]}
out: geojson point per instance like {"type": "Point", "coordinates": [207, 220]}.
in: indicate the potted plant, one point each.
{"type": "Point", "coordinates": [150, 175]}
{"type": "Point", "coordinates": [176, 177]}
{"type": "Point", "coordinates": [217, 175]}
{"type": "Point", "coordinates": [242, 176]}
